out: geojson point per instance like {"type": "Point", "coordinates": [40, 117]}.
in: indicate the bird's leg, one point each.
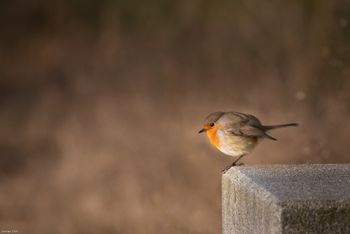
{"type": "Point", "coordinates": [234, 163]}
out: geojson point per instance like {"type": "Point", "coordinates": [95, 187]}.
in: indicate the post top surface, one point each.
{"type": "Point", "coordinates": [316, 182]}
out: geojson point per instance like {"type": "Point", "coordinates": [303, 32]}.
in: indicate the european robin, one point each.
{"type": "Point", "coordinates": [236, 134]}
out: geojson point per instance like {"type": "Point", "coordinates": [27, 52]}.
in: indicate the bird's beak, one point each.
{"type": "Point", "coordinates": [202, 130]}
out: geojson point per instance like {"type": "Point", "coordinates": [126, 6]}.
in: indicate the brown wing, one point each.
{"type": "Point", "coordinates": [248, 125]}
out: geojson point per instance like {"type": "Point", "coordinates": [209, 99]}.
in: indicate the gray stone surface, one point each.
{"type": "Point", "coordinates": [286, 199]}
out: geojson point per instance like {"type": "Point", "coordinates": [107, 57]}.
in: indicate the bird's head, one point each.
{"type": "Point", "coordinates": [210, 122]}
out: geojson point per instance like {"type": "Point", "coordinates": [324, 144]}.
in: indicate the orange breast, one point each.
{"type": "Point", "coordinates": [213, 137]}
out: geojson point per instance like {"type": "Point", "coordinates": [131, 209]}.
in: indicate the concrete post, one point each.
{"type": "Point", "coordinates": [286, 199]}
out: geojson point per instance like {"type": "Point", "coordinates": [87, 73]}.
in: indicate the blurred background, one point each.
{"type": "Point", "coordinates": [101, 102]}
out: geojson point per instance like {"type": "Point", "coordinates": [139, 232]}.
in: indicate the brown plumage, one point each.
{"type": "Point", "coordinates": [235, 133]}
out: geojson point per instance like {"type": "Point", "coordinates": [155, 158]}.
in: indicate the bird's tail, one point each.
{"type": "Point", "coordinates": [270, 127]}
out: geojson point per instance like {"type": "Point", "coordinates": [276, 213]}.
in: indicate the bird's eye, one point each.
{"type": "Point", "coordinates": [211, 124]}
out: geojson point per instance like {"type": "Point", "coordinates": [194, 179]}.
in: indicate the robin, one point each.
{"type": "Point", "coordinates": [236, 134]}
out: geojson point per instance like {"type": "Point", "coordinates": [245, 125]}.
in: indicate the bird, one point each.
{"type": "Point", "coordinates": [236, 134]}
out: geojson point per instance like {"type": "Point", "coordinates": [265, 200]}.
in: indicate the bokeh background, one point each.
{"type": "Point", "coordinates": [101, 102]}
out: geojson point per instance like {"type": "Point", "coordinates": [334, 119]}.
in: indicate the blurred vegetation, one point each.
{"type": "Point", "coordinates": [100, 103]}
